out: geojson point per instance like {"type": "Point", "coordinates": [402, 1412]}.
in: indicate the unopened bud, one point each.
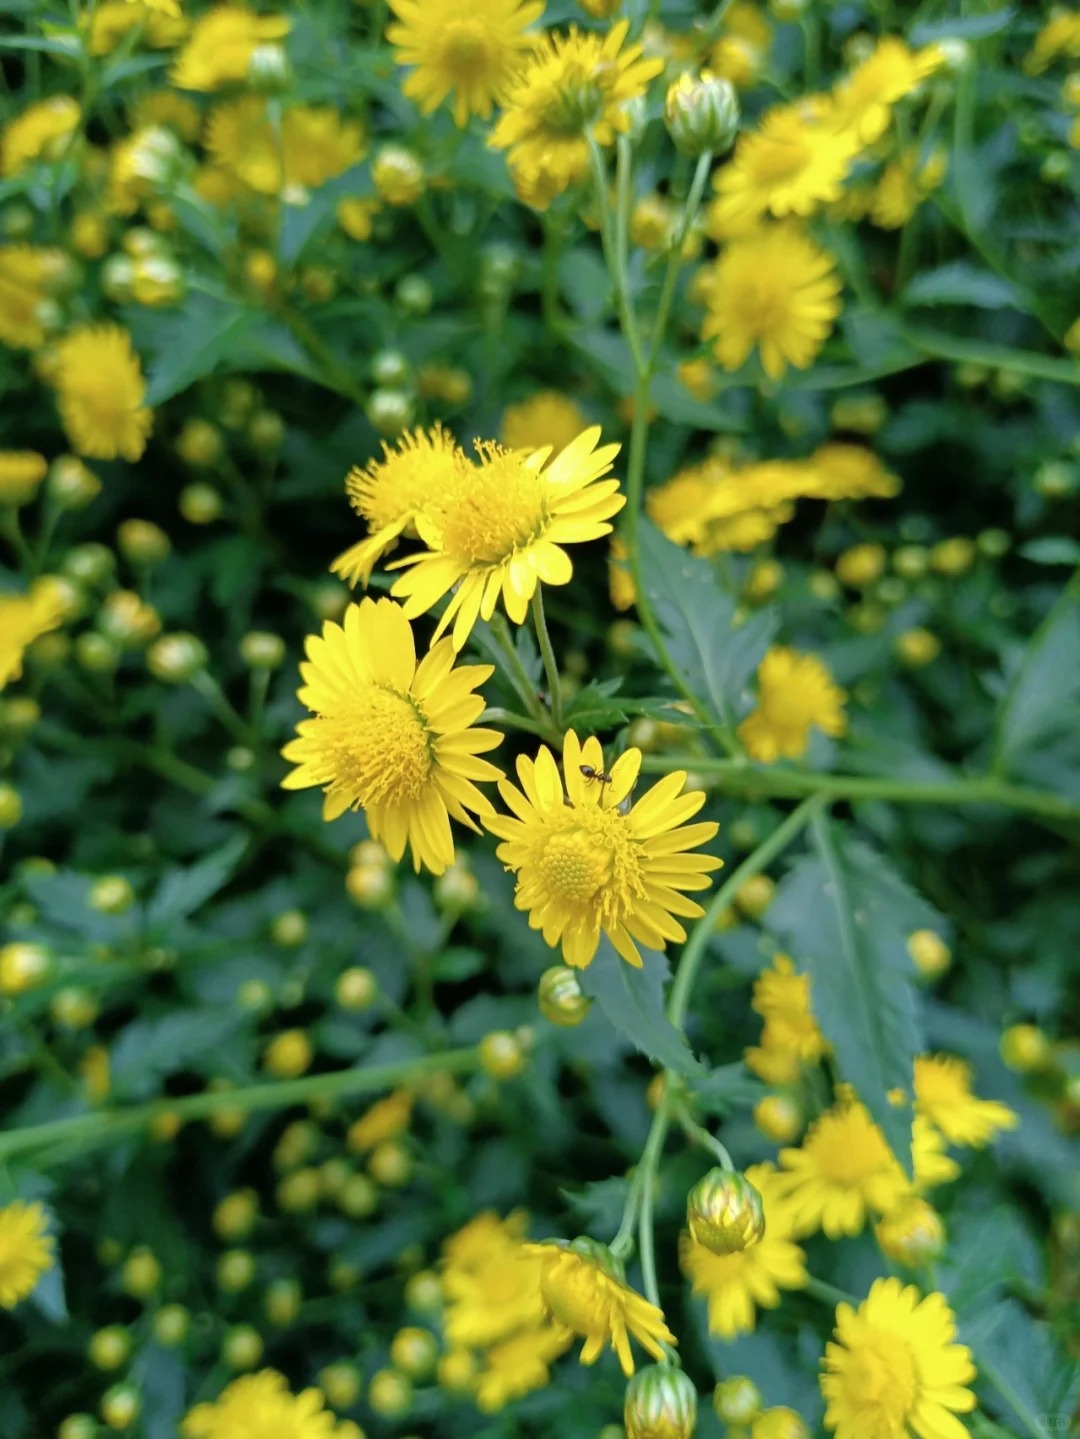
{"type": "Point", "coordinates": [23, 966]}
{"type": "Point", "coordinates": [261, 650]}
{"type": "Point", "coordinates": [702, 113]}
{"type": "Point", "coordinates": [269, 71]}
{"type": "Point", "coordinates": [398, 175]}
{"type": "Point", "coordinates": [561, 998]}
{"type": "Point", "coordinates": [200, 504]}
{"type": "Point", "coordinates": [1025, 1048]}
{"type": "Point", "coordinates": [174, 659]}
{"type": "Point", "coordinates": [390, 411]}
{"type": "Point", "coordinates": [112, 894]}
{"type": "Point", "coordinates": [912, 1234]}
{"type": "Point", "coordinates": [779, 1423]}
{"type": "Point", "coordinates": [661, 1403]}
{"type": "Point", "coordinates": [737, 1400]}
{"type": "Point", "coordinates": [71, 484]}
{"type": "Point", "coordinates": [142, 543]}
{"type": "Point", "coordinates": [724, 1212]}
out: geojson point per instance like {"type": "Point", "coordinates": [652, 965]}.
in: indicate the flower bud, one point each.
{"type": "Point", "coordinates": [141, 1274]}
{"type": "Point", "coordinates": [778, 1117]}
{"type": "Point", "coordinates": [142, 543]}
{"type": "Point", "coordinates": [560, 997]}
{"type": "Point", "coordinates": [502, 1055]}
{"type": "Point", "coordinates": [266, 431]}
{"type": "Point", "coordinates": [18, 716]}
{"type": "Point", "coordinates": [398, 175]}
{"type": "Point", "coordinates": [71, 484]}
{"type": "Point", "coordinates": [356, 989]}
{"type": "Point", "coordinates": [288, 1054]}
{"type": "Point", "coordinates": [200, 504]}
{"type": "Point", "coordinates": [456, 888]}
{"type": "Point", "coordinates": [930, 954]}
{"type": "Point", "coordinates": [661, 1403]}
{"type": "Point", "coordinates": [1025, 1048]}
{"type": "Point", "coordinates": [390, 368]}
{"type": "Point", "coordinates": [341, 1385]}
{"type": "Point", "coordinates": [242, 1347]}
{"type": "Point", "coordinates": [779, 1423]}
{"type": "Point", "coordinates": [390, 411]}
{"type": "Point", "coordinates": [261, 650]}
{"type": "Point", "coordinates": [389, 1394]}
{"type": "Point", "coordinates": [414, 1352]}
{"type": "Point", "coordinates": [755, 895]}
{"type": "Point", "coordinates": [370, 886]}
{"type": "Point", "coordinates": [157, 280]}
{"type": "Point", "coordinates": [282, 1301]}
{"type": "Point", "coordinates": [235, 1216]}
{"type": "Point", "coordinates": [953, 557]}
{"type": "Point", "coordinates": [118, 278]}
{"type": "Point", "coordinates": [737, 1400]}
{"type": "Point", "coordinates": [268, 70]}
{"type": "Point", "coordinates": [456, 1371]}
{"type": "Point", "coordinates": [96, 654]}
{"type": "Point", "coordinates": [414, 294]}
{"type": "Point", "coordinates": [110, 1348]}
{"type": "Point", "coordinates": [77, 1426]}
{"type": "Point", "coordinates": [358, 1197]}
{"type": "Point", "coordinates": [724, 1213]}
{"type": "Point", "coordinates": [912, 1234]}
{"type": "Point", "coordinates": [23, 966]}
{"type": "Point", "coordinates": [174, 659]}
{"type": "Point", "coordinates": [112, 894]}
{"type": "Point", "coordinates": [200, 444]}
{"type": "Point", "coordinates": [120, 1406]}
{"type": "Point", "coordinates": [917, 647]}
{"type": "Point", "coordinates": [235, 1271]}
{"type": "Point", "coordinates": [89, 564]}
{"type": "Point", "coordinates": [21, 473]}
{"type": "Point", "coordinates": [702, 113]}
{"type": "Point", "coordinates": [128, 620]}
{"type": "Point", "coordinates": [390, 1164]}
{"type": "Point", "coordinates": [171, 1325]}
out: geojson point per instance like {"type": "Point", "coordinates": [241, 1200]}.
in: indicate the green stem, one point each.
{"type": "Point", "coordinates": [551, 668]}
{"type": "Point", "coordinates": [334, 374]}
{"type": "Point", "coordinates": [650, 1160]}
{"type": "Point", "coordinates": [550, 305]}
{"type": "Point", "coordinates": [994, 1377]}
{"type": "Point", "coordinates": [205, 684]}
{"type": "Point", "coordinates": [11, 530]}
{"type": "Point", "coordinates": [515, 672]}
{"type": "Point", "coordinates": [675, 259]}
{"type": "Point", "coordinates": [828, 1293]}
{"type": "Point", "coordinates": [700, 1135]}
{"type": "Point", "coordinates": [1001, 357]}
{"type": "Point", "coordinates": [496, 715]}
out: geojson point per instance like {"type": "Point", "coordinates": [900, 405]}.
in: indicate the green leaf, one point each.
{"type": "Point", "coordinates": [845, 917]}
{"type": "Point", "coordinates": [1022, 1371]}
{"type": "Point", "coordinates": [726, 1088]}
{"type": "Point", "coordinates": [962, 283]}
{"type": "Point", "coordinates": [149, 1049]}
{"type": "Point", "coordinates": [592, 708]}
{"type": "Point", "coordinates": [962, 27]}
{"type": "Point", "coordinates": [1040, 703]}
{"type": "Point", "coordinates": [1051, 550]}
{"type": "Point", "coordinates": [584, 280]}
{"type": "Point", "coordinates": [633, 1000]}
{"type": "Point", "coordinates": [194, 342]}
{"type": "Point", "coordinates": [183, 891]}
{"type": "Point", "coordinates": [600, 1204]}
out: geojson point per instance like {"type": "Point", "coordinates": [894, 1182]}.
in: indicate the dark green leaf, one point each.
{"type": "Point", "coordinates": [149, 1049]}
{"type": "Point", "coordinates": [726, 1088]}
{"type": "Point", "coordinates": [1024, 1374]}
{"type": "Point", "coordinates": [454, 965]}
{"type": "Point", "coordinates": [633, 1000]}
{"type": "Point", "coordinates": [962, 283]}
{"type": "Point", "coordinates": [1051, 550]}
{"type": "Point", "coordinates": [1041, 701]}
{"type": "Point", "coordinates": [592, 708]}
{"type": "Point", "coordinates": [183, 891]}
{"type": "Point", "coordinates": [193, 343]}
{"type": "Point", "coordinates": [599, 1205]}
{"type": "Point", "coordinates": [962, 27]}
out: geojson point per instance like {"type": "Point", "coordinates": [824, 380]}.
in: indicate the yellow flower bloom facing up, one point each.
{"type": "Point", "coordinates": [113, 20]}
{"type": "Point", "coordinates": [573, 85]}
{"type": "Point", "coordinates": [796, 693]}
{"type": "Point", "coordinates": [544, 419]}
{"type": "Point", "coordinates": [843, 1170]}
{"type": "Point", "coordinates": [776, 291]}
{"type": "Point", "coordinates": [316, 145]}
{"type": "Point", "coordinates": [519, 1365]}
{"type": "Point", "coordinates": [736, 1285]}
{"type": "Point", "coordinates": [259, 1405]}
{"type": "Point", "coordinates": [715, 506]}
{"type": "Point", "coordinates": [385, 1120]}
{"type": "Point", "coordinates": [863, 101]}
{"type": "Point", "coordinates": [390, 736]}
{"type": "Point", "coordinates": [41, 132]}
{"type": "Point", "coordinates": [100, 393]}
{"type": "Point", "coordinates": [391, 492]}
{"type": "Point", "coordinates": [497, 530]}
{"type": "Point", "coordinates": [26, 1249]}
{"type": "Point", "coordinates": [21, 472]}
{"type": "Point", "coordinates": [943, 1097]}
{"type": "Point", "coordinates": [584, 1292]}
{"type": "Point", "coordinates": [492, 1287]}
{"type": "Point", "coordinates": [23, 619]}
{"type": "Point", "coordinates": [221, 45]}
{"type": "Point", "coordinates": [586, 864]}
{"type": "Point", "coordinates": [25, 271]}
{"type": "Point", "coordinates": [470, 49]}
{"type": "Point", "coordinates": [894, 1371]}
{"type": "Point", "coordinates": [850, 472]}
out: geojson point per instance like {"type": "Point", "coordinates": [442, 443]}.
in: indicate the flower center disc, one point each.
{"type": "Point", "coordinates": [380, 748]}
{"type": "Point", "coordinates": [883, 1379]}
{"type": "Point", "coordinates": [496, 510]}
{"type": "Point", "coordinates": [466, 49]}
{"type": "Point", "coordinates": [574, 866]}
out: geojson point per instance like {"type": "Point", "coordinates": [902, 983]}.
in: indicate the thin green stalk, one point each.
{"type": "Point", "coordinates": [650, 1160]}
{"type": "Point", "coordinates": [547, 653]}
{"type": "Point", "coordinates": [334, 374]}
{"type": "Point", "coordinates": [698, 1134]}
{"type": "Point", "coordinates": [12, 532]}
{"type": "Point", "coordinates": [204, 684]}
{"type": "Point", "coordinates": [828, 1293]}
{"type": "Point", "coordinates": [494, 714]}
{"type": "Point", "coordinates": [676, 259]}
{"type": "Point", "coordinates": [515, 672]}
{"type": "Point", "coordinates": [1000, 357]}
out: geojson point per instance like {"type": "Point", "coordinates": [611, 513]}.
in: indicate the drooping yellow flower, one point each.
{"type": "Point", "coordinates": [519, 1365]}
{"type": "Point", "coordinates": [1059, 36]}
{"type": "Point", "coordinates": [222, 42]}
{"type": "Point", "coordinates": [470, 49]}
{"type": "Point", "coordinates": [386, 1119]}
{"type": "Point", "coordinates": [21, 472]}
{"type": "Point", "coordinates": [113, 20]}
{"type": "Point", "coordinates": [735, 1285]}
{"type": "Point", "coordinates": [849, 472]}
{"type": "Point", "coordinates": [497, 530]}
{"type": "Point", "coordinates": [585, 1293]}
{"type": "Point", "coordinates": [316, 144]}
{"type": "Point", "coordinates": [843, 1171]}
{"type": "Point", "coordinates": [41, 132]}
{"type": "Point", "coordinates": [790, 1037]}
{"type": "Point", "coordinates": [392, 737]}
{"type": "Point", "coordinates": [586, 867]}
{"type": "Point", "coordinates": [491, 1283]}
{"type": "Point", "coordinates": [943, 1096]}
{"type": "Point", "coordinates": [894, 1371]}
{"type": "Point", "coordinates": [863, 101]}
{"type": "Point", "coordinates": [572, 86]}
{"type": "Point", "coordinates": [27, 1250]}
{"type": "Point", "coordinates": [100, 393]}
{"type": "Point", "coordinates": [391, 492]}
{"type": "Point", "coordinates": [796, 693]}
{"type": "Point", "coordinates": [546, 418]}
{"type": "Point", "coordinates": [23, 619]}
{"type": "Point", "coordinates": [259, 1405]}
{"type": "Point", "coordinates": [774, 291]}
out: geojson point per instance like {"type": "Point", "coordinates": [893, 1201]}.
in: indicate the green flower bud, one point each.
{"type": "Point", "coordinates": [171, 1325]}
{"type": "Point", "coordinates": [912, 1234]}
{"type": "Point", "coordinates": [200, 504]}
{"type": "Point", "coordinates": [77, 1426]}
{"type": "Point", "coordinates": [561, 998]}
{"type": "Point", "coordinates": [174, 659]}
{"type": "Point", "coordinates": [390, 1394]}
{"type": "Point", "coordinates": [702, 113]}
{"type": "Point", "coordinates": [390, 411]}
{"type": "Point", "coordinates": [242, 1347]}
{"type": "Point", "coordinates": [120, 1406]}
{"type": "Point", "coordinates": [737, 1400]}
{"type": "Point", "coordinates": [414, 294]}
{"type": "Point", "coordinates": [112, 894]}
{"type": "Point", "coordinates": [391, 369]}
{"type": "Point", "coordinates": [661, 1403]}
{"type": "Point", "coordinates": [779, 1423]}
{"type": "Point", "coordinates": [89, 564]}
{"type": "Point", "coordinates": [10, 807]}
{"type": "Point", "coordinates": [71, 484]}
{"type": "Point", "coordinates": [282, 1301]}
{"type": "Point", "coordinates": [110, 1348]}
{"type": "Point", "coordinates": [261, 650]}
{"type": "Point", "coordinates": [724, 1213]}
{"type": "Point", "coordinates": [142, 543]}
{"type": "Point", "coordinates": [269, 71]}
{"type": "Point", "coordinates": [266, 430]}
{"type": "Point", "coordinates": [96, 654]}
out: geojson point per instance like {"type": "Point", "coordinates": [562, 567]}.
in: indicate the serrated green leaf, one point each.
{"type": "Point", "coordinates": [183, 891]}
{"type": "Point", "coordinates": [961, 283]}
{"type": "Point", "coordinates": [633, 1000]}
{"type": "Point", "coordinates": [1040, 704]}
{"type": "Point", "coordinates": [600, 1204]}
{"type": "Point", "coordinates": [1028, 1376]}
{"type": "Point", "coordinates": [149, 1049]}
{"type": "Point", "coordinates": [726, 1088]}
{"type": "Point", "coordinates": [193, 343]}
{"type": "Point", "coordinates": [593, 708]}
{"type": "Point", "coordinates": [1051, 550]}
{"type": "Point", "coordinates": [845, 917]}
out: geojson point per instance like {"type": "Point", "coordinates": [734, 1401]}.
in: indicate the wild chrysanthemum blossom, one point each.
{"type": "Point", "coordinates": [111, 21]}
{"type": "Point", "coordinates": [259, 1405]}
{"type": "Point", "coordinates": [100, 393]}
{"type": "Point", "coordinates": [490, 1281]}
{"type": "Point", "coordinates": [849, 472]}
{"type": "Point", "coordinates": [588, 864]}
{"type": "Point", "coordinates": [391, 492]}
{"type": "Point", "coordinates": [894, 1371]}
{"type": "Point", "coordinates": [735, 1285]}
{"type": "Point", "coordinates": [863, 102]}
{"type": "Point", "coordinates": [546, 418]}
{"type": "Point", "coordinates": [41, 132]}
{"type": "Point", "coordinates": [496, 530]}
{"type": "Point", "coordinates": [774, 291]}
{"type": "Point", "coordinates": [573, 86]}
{"type": "Point", "coordinates": [386, 1119]}
{"type": "Point", "coordinates": [518, 1365]}
{"type": "Point", "coordinates": [584, 1292]}
{"type": "Point", "coordinates": [314, 145]}
{"type": "Point", "coordinates": [222, 42]}
{"type": "Point", "coordinates": [843, 1171]}
{"type": "Point", "coordinates": [392, 737]}
{"type": "Point", "coordinates": [23, 619]}
{"type": "Point", "coordinates": [795, 694]}
{"type": "Point", "coordinates": [26, 1249]}
{"type": "Point", "coordinates": [470, 49]}
{"type": "Point", "coordinates": [790, 1037]}
{"type": "Point", "coordinates": [943, 1097]}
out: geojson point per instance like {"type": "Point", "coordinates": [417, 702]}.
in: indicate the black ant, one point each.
{"type": "Point", "coordinates": [595, 774]}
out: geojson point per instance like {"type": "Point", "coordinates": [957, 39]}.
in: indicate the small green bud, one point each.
{"type": "Point", "coordinates": [702, 113]}
{"type": "Point", "coordinates": [560, 997]}
{"type": "Point", "coordinates": [390, 411]}
{"type": "Point", "coordinates": [71, 484]}
{"type": "Point", "coordinates": [737, 1400]}
{"type": "Point", "coordinates": [262, 650]}
{"type": "Point", "coordinates": [661, 1403]}
{"type": "Point", "coordinates": [112, 894]}
{"type": "Point", "coordinates": [171, 1325]}
{"type": "Point", "coordinates": [174, 659]}
{"type": "Point", "coordinates": [724, 1212]}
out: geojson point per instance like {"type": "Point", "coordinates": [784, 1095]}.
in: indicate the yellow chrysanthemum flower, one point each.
{"type": "Point", "coordinates": [849, 472]}
{"type": "Point", "coordinates": [743, 45]}
{"type": "Point", "coordinates": [715, 506]}
{"type": "Point", "coordinates": [894, 1371]}
{"type": "Point", "coordinates": [620, 577]}
{"type": "Point", "coordinates": [735, 1285]}
{"type": "Point", "coordinates": [41, 132]}
{"type": "Point", "coordinates": [221, 45]}
{"type": "Point", "coordinates": [113, 20]}
{"type": "Point", "coordinates": [902, 187]}
{"type": "Point", "coordinates": [392, 737]}
{"type": "Point", "coordinates": [587, 864]}
{"type": "Point", "coordinates": [943, 1097]}
{"type": "Point", "coordinates": [386, 1119]}
{"type": "Point", "coordinates": [26, 1249]}
{"type": "Point", "coordinates": [518, 1365]}
{"type": "Point", "coordinates": [796, 693]}
{"type": "Point", "coordinates": [23, 619]}
{"type": "Point", "coordinates": [315, 145]}
{"type": "Point", "coordinates": [573, 85]}
{"type": "Point", "coordinates": [161, 7]}
{"type": "Point", "coordinates": [100, 393]}
{"type": "Point", "coordinates": [258, 1405]}
{"type": "Point", "coordinates": [21, 472]}
{"type": "Point", "coordinates": [496, 530]}
{"type": "Point", "coordinates": [391, 492]}
{"type": "Point", "coordinates": [1059, 36]}
{"type": "Point", "coordinates": [790, 1037]}
{"type": "Point", "coordinates": [25, 271]}
{"type": "Point", "coordinates": [470, 49]}
{"type": "Point", "coordinates": [863, 102]}
{"type": "Point", "coordinates": [584, 1292]}
{"type": "Point", "coordinates": [491, 1283]}
{"type": "Point", "coordinates": [776, 291]}
{"type": "Point", "coordinates": [546, 418]}
{"type": "Point", "coordinates": [795, 162]}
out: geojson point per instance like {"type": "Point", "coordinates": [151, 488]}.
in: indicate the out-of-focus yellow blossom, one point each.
{"type": "Point", "coordinates": [491, 1282]}
{"type": "Point", "coordinates": [943, 1096]}
{"type": "Point", "coordinates": [221, 44]}
{"type": "Point", "coordinates": [1059, 36]}
{"type": "Point", "coordinates": [314, 146]}
{"type": "Point", "coordinates": [864, 100]}
{"type": "Point", "coordinates": [850, 472]}
{"type": "Point", "coordinates": [546, 418]}
{"type": "Point", "coordinates": [356, 216]}
{"type": "Point", "coordinates": [24, 619]}
{"type": "Point", "coordinates": [790, 1036]}
{"type": "Point", "coordinates": [100, 393]}
{"type": "Point", "coordinates": [259, 1405]}
{"type": "Point", "coordinates": [518, 1365]}
{"type": "Point", "coordinates": [41, 132]}
{"type": "Point", "coordinates": [387, 1119]}
{"type": "Point", "coordinates": [903, 186]}
{"type": "Point", "coordinates": [21, 473]}
{"type": "Point", "coordinates": [168, 109]}
{"type": "Point", "coordinates": [620, 578]}
{"type": "Point", "coordinates": [26, 271]}
{"type": "Point", "coordinates": [742, 48]}
{"type": "Point", "coordinates": [26, 1251]}
{"type": "Point", "coordinates": [113, 20]}
{"type": "Point", "coordinates": [796, 694]}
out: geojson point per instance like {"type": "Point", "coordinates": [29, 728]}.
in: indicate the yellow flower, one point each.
{"type": "Point", "coordinates": [774, 290]}
{"type": "Point", "coordinates": [258, 1405]}
{"type": "Point", "coordinates": [863, 102]}
{"type": "Point", "coordinates": [25, 273]}
{"type": "Point", "coordinates": [849, 472]}
{"type": "Point", "coordinates": [584, 1292]}
{"type": "Point", "coordinates": [160, 7]}
{"type": "Point", "coordinates": [26, 1251]}
{"type": "Point", "coordinates": [795, 162]}
{"type": "Point", "coordinates": [21, 472]}
{"type": "Point", "coordinates": [795, 694]}
{"type": "Point", "coordinates": [713, 506]}
{"type": "Point", "coordinates": [518, 1365]}
{"type": "Point", "coordinates": [1059, 36]}
{"type": "Point", "coordinates": [791, 1036]}
{"type": "Point", "coordinates": [41, 132]}
{"type": "Point", "coordinates": [843, 1170]}
{"type": "Point", "coordinates": [391, 492]}
{"type": "Point", "coordinates": [221, 45]}
{"type": "Point", "coordinates": [112, 20]}
{"type": "Point", "coordinates": [491, 1284]}
{"type": "Point", "coordinates": [740, 52]}
{"type": "Point", "coordinates": [546, 418]}
{"type": "Point", "coordinates": [736, 1284]}
{"type": "Point", "coordinates": [387, 1119]}
{"type": "Point", "coordinates": [902, 188]}
{"type": "Point", "coordinates": [392, 737]}
{"type": "Point", "coordinates": [573, 85]}
{"type": "Point", "coordinates": [470, 49]}
{"type": "Point", "coordinates": [23, 619]}
{"type": "Point", "coordinates": [167, 109]}
{"type": "Point", "coordinates": [586, 867]}
{"type": "Point", "coordinates": [100, 393]}
{"type": "Point", "coordinates": [316, 145]}
{"type": "Point", "coordinates": [497, 530]}
{"type": "Point", "coordinates": [895, 1372]}
{"type": "Point", "coordinates": [620, 577]}
{"type": "Point", "coordinates": [943, 1096]}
